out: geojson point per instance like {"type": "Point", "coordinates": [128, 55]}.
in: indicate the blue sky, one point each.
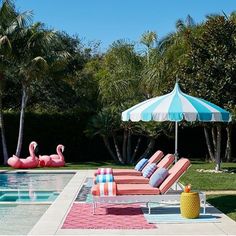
{"type": "Point", "coordinates": [110, 20]}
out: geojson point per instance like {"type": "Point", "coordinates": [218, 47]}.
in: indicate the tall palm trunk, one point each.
{"type": "Point", "coordinates": [218, 148]}
{"type": "Point", "coordinates": [214, 137]}
{"type": "Point", "coordinates": [2, 126]}
{"type": "Point", "coordinates": [129, 144]}
{"type": "Point", "coordinates": [22, 119]}
{"type": "Point", "coordinates": [208, 143]}
{"type": "Point", "coordinates": [136, 150]}
{"type": "Point", "coordinates": [108, 146]}
{"type": "Point", "coordinates": [4, 145]}
{"type": "Point", "coordinates": [117, 149]}
{"type": "Point", "coordinates": [150, 147]}
{"type": "Point", "coordinates": [228, 150]}
{"type": "Point", "coordinates": [215, 151]}
{"type": "Point", "coordinates": [124, 146]}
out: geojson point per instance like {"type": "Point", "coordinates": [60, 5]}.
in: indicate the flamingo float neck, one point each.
{"type": "Point", "coordinates": [60, 149]}
{"type": "Point", "coordinates": [32, 147]}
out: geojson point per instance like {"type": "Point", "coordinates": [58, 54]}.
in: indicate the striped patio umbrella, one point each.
{"type": "Point", "coordinates": [176, 106]}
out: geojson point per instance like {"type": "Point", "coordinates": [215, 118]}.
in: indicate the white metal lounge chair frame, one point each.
{"type": "Point", "coordinates": [170, 196]}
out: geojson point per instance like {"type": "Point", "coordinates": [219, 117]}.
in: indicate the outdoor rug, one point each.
{"type": "Point", "coordinates": [167, 214]}
{"type": "Point", "coordinates": [160, 213]}
{"type": "Point", "coordinates": [107, 216]}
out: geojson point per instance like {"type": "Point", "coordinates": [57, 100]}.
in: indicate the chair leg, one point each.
{"type": "Point", "coordinates": [149, 208]}
{"type": "Point", "coordinates": [203, 201]}
{"type": "Point", "coordinates": [204, 206]}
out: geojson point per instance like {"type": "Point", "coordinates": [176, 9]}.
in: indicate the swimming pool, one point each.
{"type": "Point", "coordinates": [24, 198]}
{"type": "Point", "coordinates": [27, 196]}
{"type": "Point", "coordinates": [34, 181]}
{"type": "Point", "coordinates": [18, 219]}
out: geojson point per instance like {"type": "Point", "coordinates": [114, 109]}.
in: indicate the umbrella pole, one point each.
{"type": "Point", "coordinates": [176, 141]}
{"type": "Point", "coordinates": [176, 147]}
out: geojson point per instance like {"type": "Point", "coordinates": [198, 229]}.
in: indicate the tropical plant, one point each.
{"type": "Point", "coordinates": [11, 23]}
{"type": "Point", "coordinates": [31, 50]}
{"type": "Point", "coordinates": [121, 85]}
{"type": "Point", "coordinates": [151, 74]}
{"type": "Point", "coordinates": [118, 82]}
{"type": "Point", "coordinates": [210, 73]}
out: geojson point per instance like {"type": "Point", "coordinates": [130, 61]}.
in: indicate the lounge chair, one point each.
{"type": "Point", "coordinates": [144, 193]}
{"type": "Point", "coordinates": [128, 179]}
{"type": "Point", "coordinates": [132, 172]}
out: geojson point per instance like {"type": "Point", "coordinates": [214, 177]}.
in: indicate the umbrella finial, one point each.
{"type": "Point", "coordinates": [176, 88]}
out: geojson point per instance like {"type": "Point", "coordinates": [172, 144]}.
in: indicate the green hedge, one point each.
{"type": "Point", "coordinates": [49, 130]}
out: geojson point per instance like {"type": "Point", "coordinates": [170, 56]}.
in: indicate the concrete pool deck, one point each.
{"type": "Point", "coordinates": [51, 222]}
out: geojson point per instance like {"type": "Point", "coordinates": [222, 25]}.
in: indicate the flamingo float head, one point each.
{"type": "Point", "coordinates": [34, 144]}
{"type": "Point", "coordinates": [60, 147]}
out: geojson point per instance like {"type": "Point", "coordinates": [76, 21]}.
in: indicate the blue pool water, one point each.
{"type": "Point", "coordinates": [20, 194]}
{"type": "Point", "coordinates": [28, 196]}
{"type": "Point", "coordinates": [31, 181]}
{"type": "Point", "coordinates": [27, 187]}
{"type": "Point", "coordinates": [18, 219]}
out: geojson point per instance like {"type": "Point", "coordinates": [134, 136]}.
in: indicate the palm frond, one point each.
{"type": "Point", "coordinates": [165, 42]}
{"type": "Point", "coordinates": [5, 45]}
{"type": "Point", "coordinates": [39, 62]}
{"type": "Point", "coordinates": [24, 19]}
{"type": "Point", "coordinates": [190, 21]}
{"type": "Point", "coordinates": [7, 12]}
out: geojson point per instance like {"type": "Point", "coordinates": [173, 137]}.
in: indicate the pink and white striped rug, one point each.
{"type": "Point", "coordinates": [107, 216]}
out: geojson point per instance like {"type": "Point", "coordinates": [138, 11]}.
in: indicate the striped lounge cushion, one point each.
{"type": "Point", "coordinates": [104, 178]}
{"type": "Point", "coordinates": [104, 171]}
{"type": "Point", "coordinates": [149, 170]}
{"type": "Point", "coordinates": [104, 189]}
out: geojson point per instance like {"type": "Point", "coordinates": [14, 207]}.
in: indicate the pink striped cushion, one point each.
{"type": "Point", "coordinates": [104, 189]}
{"type": "Point", "coordinates": [104, 171]}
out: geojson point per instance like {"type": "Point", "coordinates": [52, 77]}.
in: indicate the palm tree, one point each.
{"type": "Point", "coordinates": [213, 42]}
{"type": "Point", "coordinates": [32, 51]}
{"type": "Point", "coordinates": [151, 74]}
{"type": "Point", "coordinates": [11, 22]}
{"type": "Point", "coordinates": [118, 84]}
{"type": "Point", "coordinates": [120, 72]}
{"type": "Point", "coordinates": [149, 39]}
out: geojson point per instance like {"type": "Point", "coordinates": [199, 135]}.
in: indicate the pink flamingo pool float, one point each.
{"type": "Point", "coordinates": [54, 160]}
{"type": "Point", "coordinates": [29, 162]}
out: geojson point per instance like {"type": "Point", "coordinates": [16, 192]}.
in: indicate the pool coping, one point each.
{"type": "Point", "coordinates": [53, 218]}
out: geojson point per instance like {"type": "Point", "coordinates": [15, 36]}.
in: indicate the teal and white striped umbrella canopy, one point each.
{"type": "Point", "coordinates": [176, 106]}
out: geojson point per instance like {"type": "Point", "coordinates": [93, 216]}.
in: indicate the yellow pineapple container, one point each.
{"type": "Point", "coordinates": [190, 205]}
